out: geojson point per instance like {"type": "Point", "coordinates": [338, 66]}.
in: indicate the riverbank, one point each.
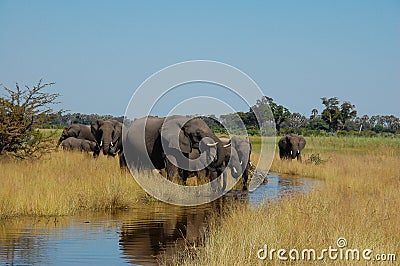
{"type": "Point", "coordinates": [359, 202]}
{"type": "Point", "coordinates": [64, 183]}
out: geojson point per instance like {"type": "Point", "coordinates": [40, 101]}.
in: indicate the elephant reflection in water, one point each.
{"type": "Point", "coordinates": [143, 242]}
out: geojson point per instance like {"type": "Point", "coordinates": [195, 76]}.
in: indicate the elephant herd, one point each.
{"type": "Point", "coordinates": [178, 144]}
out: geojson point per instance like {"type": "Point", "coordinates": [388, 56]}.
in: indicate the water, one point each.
{"type": "Point", "coordinates": [137, 236]}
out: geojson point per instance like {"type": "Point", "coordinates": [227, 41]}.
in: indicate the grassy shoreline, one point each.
{"type": "Point", "coordinates": [64, 183]}
{"type": "Point", "coordinates": [359, 202]}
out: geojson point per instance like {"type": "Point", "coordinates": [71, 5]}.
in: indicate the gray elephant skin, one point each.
{"type": "Point", "coordinates": [108, 135]}
{"type": "Point", "coordinates": [158, 142]}
{"type": "Point", "coordinates": [290, 146]}
{"type": "Point", "coordinates": [82, 145]}
{"type": "Point", "coordinates": [78, 131]}
{"type": "Point", "coordinates": [231, 161]}
{"type": "Point", "coordinates": [243, 150]}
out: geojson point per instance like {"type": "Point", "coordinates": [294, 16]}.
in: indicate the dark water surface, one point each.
{"type": "Point", "coordinates": [137, 236]}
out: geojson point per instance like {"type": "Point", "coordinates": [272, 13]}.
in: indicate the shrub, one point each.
{"type": "Point", "coordinates": [22, 112]}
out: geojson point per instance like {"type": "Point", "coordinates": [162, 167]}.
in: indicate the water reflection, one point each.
{"type": "Point", "coordinates": [136, 236]}
{"type": "Point", "coordinates": [164, 229]}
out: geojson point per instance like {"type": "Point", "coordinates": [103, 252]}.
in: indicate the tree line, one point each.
{"type": "Point", "coordinates": [25, 110]}
{"type": "Point", "coordinates": [336, 118]}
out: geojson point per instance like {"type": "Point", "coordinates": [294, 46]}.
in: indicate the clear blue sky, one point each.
{"type": "Point", "coordinates": [99, 52]}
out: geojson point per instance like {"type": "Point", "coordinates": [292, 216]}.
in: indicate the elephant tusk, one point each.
{"type": "Point", "coordinates": [298, 152]}
{"type": "Point", "coordinates": [227, 145]}
{"type": "Point", "coordinates": [111, 144]}
{"type": "Point", "coordinates": [241, 162]}
{"type": "Point", "coordinates": [212, 144]}
{"type": "Point", "coordinates": [291, 152]}
{"type": "Point", "coordinates": [101, 143]}
{"type": "Point", "coordinates": [234, 170]}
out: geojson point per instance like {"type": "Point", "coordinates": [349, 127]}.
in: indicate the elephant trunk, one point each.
{"type": "Point", "coordinates": [294, 152]}
{"type": "Point", "coordinates": [220, 150]}
{"type": "Point", "coordinates": [60, 140]}
{"type": "Point", "coordinates": [106, 145]}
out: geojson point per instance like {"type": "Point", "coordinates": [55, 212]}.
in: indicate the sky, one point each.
{"type": "Point", "coordinates": [99, 52]}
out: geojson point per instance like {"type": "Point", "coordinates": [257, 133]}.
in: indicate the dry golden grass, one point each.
{"type": "Point", "coordinates": [359, 201]}
{"type": "Point", "coordinates": [64, 183]}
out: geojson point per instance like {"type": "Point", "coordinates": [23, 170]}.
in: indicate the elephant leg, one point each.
{"type": "Point", "coordinates": [299, 157]}
{"type": "Point", "coordinates": [185, 175]}
{"type": "Point", "coordinates": [282, 154]}
{"type": "Point", "coordinates": [215, 186]}
{"type": "Point", "coordinates": [172, 170]}
{"type": "Point", "coordinates": [245, 177]}
{"type": "Point", "coordinates": [200, 176]}
{"type": "Point", "coordinates": [122, 161]}
{"type": "Point", "coordinates": [96, 153]}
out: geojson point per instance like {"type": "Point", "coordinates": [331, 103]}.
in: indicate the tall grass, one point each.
{"type": "Point", "coordinates": [359, 201]}
{"type": "Point", "coordinates": [64, 183]}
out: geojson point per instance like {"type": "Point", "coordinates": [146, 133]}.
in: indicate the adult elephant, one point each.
{"type": "Point", "coordinates": [290, 146]}
{"type": "Point", "coordinates": [82, 145]}
{"type": "Point", "coordinates": [155, 142]}
{"type": "Point", "coordinates": [204, 168]}
{"type": "Point", "coordinates": [108, 135]}
{"type": "Point", "coordinates": [243, 150]}
{"type": "Point", "coordinates": [78, 131]}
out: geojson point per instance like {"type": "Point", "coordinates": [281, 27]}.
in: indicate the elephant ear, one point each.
{"type": "Point", "coordinates": [94, 128]}
{"type": "Point", "coordinates": [117, 131]}
{"type": "Point", "coordinates": [173, 135]}
{"type": "Point", "coordinates": [302, 142]}
{"type": "Point", "coordinates": [66, 130]}
{"type": "Point", "coordinates": [284, 141]}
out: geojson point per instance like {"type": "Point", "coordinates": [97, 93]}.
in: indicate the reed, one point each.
{"type": "Point", "coordinates": [64, 183]}
{"type": "Point", "coordinates": [359, 201]}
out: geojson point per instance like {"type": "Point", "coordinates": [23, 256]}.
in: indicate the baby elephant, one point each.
{"type": "Point", "coordinates": [290, 146]}
{"type": "Point", "coordinates": [72, 143]}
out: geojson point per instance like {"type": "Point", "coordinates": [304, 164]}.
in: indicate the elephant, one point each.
{"type": "Point", "coordinates": [81, 145]}
{"type": "Point", "coordinates": [108, 135]}
{"type": "Point", "coordinates": [78, 131]}
{"type": "Point", "coordinates": [290, 146]}
{"type": "Point", "coordinates": [156, 142]}
{"type": "Point", "coordinates": [243, 150]}
{"type": "Point", "coordinates": [231, 161]}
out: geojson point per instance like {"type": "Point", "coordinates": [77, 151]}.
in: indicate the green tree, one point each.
{"type": "Point", "coordinates": [280, 113]}
{"type": "Point", "coordinates": [297, 120]}
{"type": "Point", "coordinates": [347, 113]}
{"type": "Point", "coordinates": [331, 113]}
{"type": "Point", "coordinates": [314, 113]}
{"type": "Point", "coordinates": [318, 124]}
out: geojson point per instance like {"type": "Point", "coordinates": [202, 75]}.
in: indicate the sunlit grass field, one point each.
{"type": "Point", "coordinates": [63, 183]}
{"type": "Point", "coordinates": [359, 201]}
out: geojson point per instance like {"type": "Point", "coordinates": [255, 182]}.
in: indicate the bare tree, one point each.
{"type": "Point", "coordinates": [22, 112]}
